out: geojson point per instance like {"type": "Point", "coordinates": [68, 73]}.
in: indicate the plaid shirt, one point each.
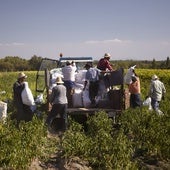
{"type": "Point", "coordinates": [104, 64]}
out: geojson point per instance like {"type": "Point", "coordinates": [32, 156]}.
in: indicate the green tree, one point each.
{"type": "Point", "coordinates": [6, 66]}
{"type": "Point", "coordinates": [153, 64]}
{"type": "Point", "coordinates": [15, 63]}
{"type": "Point", "coordinates": [34, 62]}
{"type": "Point", "coordinates": [167, 63]}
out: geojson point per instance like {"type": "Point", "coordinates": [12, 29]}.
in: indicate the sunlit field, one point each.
{"type": "Point", "coordinates": [136, 137]}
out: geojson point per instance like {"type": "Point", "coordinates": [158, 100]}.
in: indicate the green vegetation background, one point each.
{"type": "Point", "coordinates": [138, 136]}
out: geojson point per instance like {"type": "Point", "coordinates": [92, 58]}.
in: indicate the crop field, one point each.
{"type": "Point", "coordinates": [139, 139]}
{"type": "Point", "coordinates": [8, 78]}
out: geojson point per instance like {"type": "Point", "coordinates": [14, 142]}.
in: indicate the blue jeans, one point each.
{"type": "Point", "coordinates": [135, 100]}
{"type": "Point", "coordinates": [61, 111]}
{"type": "Point", "coordinates": [155, 104]}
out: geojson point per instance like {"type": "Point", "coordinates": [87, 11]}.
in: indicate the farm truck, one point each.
{"type": "Point", "coordinates": [112, 98]}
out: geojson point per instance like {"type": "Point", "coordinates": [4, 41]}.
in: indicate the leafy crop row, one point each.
{"type": "Point", "coordinates": [21, 145]}
{"type": "Point", "coordinates": [138, 133]}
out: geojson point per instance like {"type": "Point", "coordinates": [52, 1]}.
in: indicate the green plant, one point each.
{"type": "Point", "coordinates": [99, 145]}
{"type": "Point", "coordinates": [149, 132]}
{"type": "Point", "coordinates": [19, 146]}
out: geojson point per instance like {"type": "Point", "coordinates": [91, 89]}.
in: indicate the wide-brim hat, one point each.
{"type": "Point", "coordinates": [59, 80]}
{"type": "Point", "coordinates": [154, 77]}
{"type": "Point", "coordinates": [107, 55]}
{"type": "Point", "coordinates": [21, 75]}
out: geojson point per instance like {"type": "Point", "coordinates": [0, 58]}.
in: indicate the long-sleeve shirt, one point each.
{"type": "Point", "coordinates": [104, 65]}
{"type": "Point", "coordinates": [17, 90]}
{"type": "Point", "coordinates": [58, 95]}
{"type": "Point", "coordinates": [157, 90]}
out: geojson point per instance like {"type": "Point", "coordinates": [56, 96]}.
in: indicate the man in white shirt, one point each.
{"type": "Point", "coordinates": [69, 72]}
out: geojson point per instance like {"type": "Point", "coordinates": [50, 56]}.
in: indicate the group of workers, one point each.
{"type": "Point", "coordinates": [156, 92]}
{"type": "Point", "coordinates": [62, 92]}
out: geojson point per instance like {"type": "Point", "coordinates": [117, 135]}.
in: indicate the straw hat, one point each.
{"type": "Point", "coordinates": [59, 80]}
{"type": "Point", "coordinates": [107, 55]}
{"type": "Point", "coordinates": [154, 77]}
{"type": "Point", "coordinates": [21, 75]}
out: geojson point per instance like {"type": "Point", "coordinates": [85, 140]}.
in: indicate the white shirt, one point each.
{"type": "Point", "coordinates": [69, 72]}
{"type": "Point", "coordinates": [157, 90]}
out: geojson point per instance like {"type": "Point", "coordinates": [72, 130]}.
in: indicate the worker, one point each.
{"type": "Point", "coordinates": [156, 92]}
{"type": "Point", "coordinates": [58, 100]}
{"type": "Point", "coordinates": [134, 89]}
{"type": "Point", "coordinates": [92, 77]}
{"type": "Point", "coordinates": [104, 63]}
{"type": "Point", "coordinates": [24, 111]}
{"type": "Point", "coordinates": [105, 66]}
{"type": "Point", "coordinates": [69, 72]}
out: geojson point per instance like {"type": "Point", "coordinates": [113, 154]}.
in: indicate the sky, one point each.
{"type": "Point", "coordinates": [127, 29]}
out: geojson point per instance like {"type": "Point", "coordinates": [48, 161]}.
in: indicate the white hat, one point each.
{"type": "Point", "coordinates": [154, 77]}
{"type": "Point", "coordinates": [59, 80]}
{"type": "Point", "coordinates": [107, 55]}
{"type": "Point", "coordinates": [21, 75]}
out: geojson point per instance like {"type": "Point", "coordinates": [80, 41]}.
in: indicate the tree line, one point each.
{"type": "Point", "coordinates": [15, 63]}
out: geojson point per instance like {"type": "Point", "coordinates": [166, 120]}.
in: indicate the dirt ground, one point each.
{"type": "Point", "coordinates": [77, 164]}
{"type": "Point", "coordinates": [55, 162]}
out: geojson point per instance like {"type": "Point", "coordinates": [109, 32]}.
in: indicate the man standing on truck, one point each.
{"type": "Point", "coordinates": [69, 72]}
{"type": "Point", "coordinates": [105, 66]}
{"type": "Point", "coordinates": [92, 77]}
{"type": "Point", "coordinates": [104, 63]}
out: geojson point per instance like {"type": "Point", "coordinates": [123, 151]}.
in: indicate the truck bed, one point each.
{"type": "Point", "coordinates": [91, 111]}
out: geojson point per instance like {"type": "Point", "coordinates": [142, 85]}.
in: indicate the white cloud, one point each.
{"type": "Point", "coordinates": [12, 44]}
{"type": "Point", "coordinates": [17, 44]}
{"type": "Point", "coordinates": [116, 40]}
